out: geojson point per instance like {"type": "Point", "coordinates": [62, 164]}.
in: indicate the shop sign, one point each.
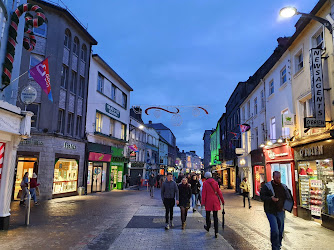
{"type": "Point", "coordinates": [31, 142]}
{"type": "Point", "coordinates": [288, 120]}
{"type": "Point", "coordinates": [315, 210]}
{"type": "Point", "coordinates": [272, 155]}
{"type": "Point", "coordinates": [117, 152]}
{"type": "Point", "coordinates": [68, 145]}
{"type": "Point", "coordinates": [28, 95]}
{"type": "Point", "coordinates": [99, 157]}
{"type": "Point", "coordinates": [316, 150]}
{"type": "Point", "coordinates": [240, 151]}
{"type": "Point", "coordinates": [316, 184]}
{"type": "Point", "coordinates": [113, 111]}
{"type": "Point", "coordinates": [317, 90]}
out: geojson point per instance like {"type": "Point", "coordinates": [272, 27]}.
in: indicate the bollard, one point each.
{"type": "Point", "coordinates": [27, 217]}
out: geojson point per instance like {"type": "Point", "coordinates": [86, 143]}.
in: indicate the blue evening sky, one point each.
{"type": "Point", "coordinates": [185, 52]}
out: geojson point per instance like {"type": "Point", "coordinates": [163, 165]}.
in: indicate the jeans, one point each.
{"type": "Point", "coordinates": [33, 194]}
{"type": "Point", "coordinates": [169, 205]}
{"type": "Point", "coordinates": [25, 192]}
{"type": "Point", "coordinates": [184, 212]}
{"type": "Point", "coordinates": [215, 220]}
{"type": "Point", "coordinates": [151, 191]}
{"type": "Point", "coordinates": [246, 194]}
{"type": "Point", "coordinates": [194, 198]}
{"type": "Point", "coordinates": [276, 222]}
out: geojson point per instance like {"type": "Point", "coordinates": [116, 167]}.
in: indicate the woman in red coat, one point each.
{"type": "Point", "coordinates": [210, 200]}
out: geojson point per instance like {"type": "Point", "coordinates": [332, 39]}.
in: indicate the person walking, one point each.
{"type": "Point", "coordinates": [277, 197]}
{"type": "Point", "coordinates": [151, 182]}
{"type": "Point", "coordinates": [200, 189]}
{"type": "Point", "coordinates": [184, 200]}
{"type": "Point", "coordinates": [158, 181]}
{"type": "Point", "coordinates": [24, 186]}
{"type": "Point", "coordinates": [33, 186]}
{"type": "Point", "coordinates": [245, 187]}
{"type": "Point", "coordinates": [139, 181]}
{"type": "Point", "coordinates": [195, 187]}
{"type": "Point", "coordinates": [169, 191]}
{"type": "Point", "coordinates": [179, 178]}
{"type": "Point", "coordinates": [212, 197]}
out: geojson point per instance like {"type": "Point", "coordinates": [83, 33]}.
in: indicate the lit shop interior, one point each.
{"type": "Point", "coordinates": [65, 176]}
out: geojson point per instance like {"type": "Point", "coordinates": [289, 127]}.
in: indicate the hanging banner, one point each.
{"type": "Point", "coordinates": [41, 75]}
{"type": "Point", "coordinates": [133, 148]}
{"type": "Point", "coordinates": [317, 88]}
{"type": "Point", "coordinates": [244, 127]}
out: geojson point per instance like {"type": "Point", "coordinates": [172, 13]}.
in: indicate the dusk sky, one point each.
{"type": "Point", "coordinates": [185, 52]}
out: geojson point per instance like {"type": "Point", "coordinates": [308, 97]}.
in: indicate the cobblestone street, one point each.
{"type": "Point", "coordinates": [132, 220]}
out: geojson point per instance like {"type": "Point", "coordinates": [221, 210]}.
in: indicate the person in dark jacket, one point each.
{"type": "Point", "coordinates": [158, 181]}
{"type": "Point", "coordinates": [195, 188]}
{"type": "Point", "coordinates": [277, 198]}
{"type": "Point", "coordinates": [184, 200]}
{"type": "Point", "coordinates": [169, 192]}
{"type": "Point", "coordinates": [179, 178]}
{"type": "Point", "coordinates": [138, 181]}
{"type": "Point", "coordinates": [151, 182]}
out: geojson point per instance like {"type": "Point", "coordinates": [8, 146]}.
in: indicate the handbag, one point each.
{"type": "Point", "coordinates": [215, 193]}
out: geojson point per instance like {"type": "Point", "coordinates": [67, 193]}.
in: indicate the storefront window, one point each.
{"type": "Point", "coordinates": [316, 186]}
{"type": "Point", "coordinates": [285, 170]}
{"type": "Point", "coordinates": [259, 178]}
{"type": "Point", "coordinates": [65, 176]}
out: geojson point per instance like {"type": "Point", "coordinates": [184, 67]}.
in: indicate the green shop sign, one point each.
{"type": "Point", "coordinates": [113, 111]}
{"type": "Point", "coordinates": [117, 152]}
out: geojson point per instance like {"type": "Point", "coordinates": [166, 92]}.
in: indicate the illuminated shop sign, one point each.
{"type": "Point", "coordinates": [316, 150]}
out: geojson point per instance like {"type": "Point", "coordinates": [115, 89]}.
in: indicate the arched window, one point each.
{"type": "Point", "coordinates": [67, 39]}
{"type": "Point", "coordinates": [76, 46]}
{"type": "Point", "coordinates": [84, 53]}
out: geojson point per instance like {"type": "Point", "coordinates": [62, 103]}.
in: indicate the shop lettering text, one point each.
{"type": "Point", "coordinates": [31, 142]}
{"type": "Point", "coordinates": [113, 111]}
{"type": "Point", "coordinates": [272, 155]}
{"type": "Point", "coordinates": [316, 150]}
{"type": "Point", "coordinates": [69, 145]}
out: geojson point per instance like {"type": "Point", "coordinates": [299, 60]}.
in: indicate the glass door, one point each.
{"type": "Point", "coordinates": [97, 179]}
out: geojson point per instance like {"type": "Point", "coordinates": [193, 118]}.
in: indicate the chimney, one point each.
{"type": "Point", "coordinates": [149, 122]}
{"type": "Point", "coordinates": [283, 41]}
{"type": "Point", "coordinates": [136, 113]}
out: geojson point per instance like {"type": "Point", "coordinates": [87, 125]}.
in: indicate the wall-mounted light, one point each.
{"type": "Point", "coordinates": [269, 143]}
{"type": "Point", "coordinates": [141, 127]}
{"type": "Point", "coordinates": [280, 140]}
{"type": "Point", "coordinates": [262, 145]}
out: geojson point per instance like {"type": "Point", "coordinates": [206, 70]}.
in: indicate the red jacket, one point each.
{"type": "Point", "coordinates": [209, 198]}
{"type": "Point", "coordinates": [33, 183]}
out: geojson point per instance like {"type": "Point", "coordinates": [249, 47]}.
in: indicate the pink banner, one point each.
{"type": "Point", "coordinates": [99, 157]}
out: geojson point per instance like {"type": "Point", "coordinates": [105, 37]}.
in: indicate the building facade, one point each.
{"type": "Point", "coordinates": [207, 152]}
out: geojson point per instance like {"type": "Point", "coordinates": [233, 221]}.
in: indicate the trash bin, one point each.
{"type": "Point", "coordinates": [81, 190]}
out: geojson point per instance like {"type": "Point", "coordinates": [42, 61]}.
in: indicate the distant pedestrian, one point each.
{"type": "Point", "coordinates": [200, 189]}
{"type": "Point", "coordinates": [139, 181]}
{"type": "Point", "coordinates": [195, 188]}
{"type": "Point", "coordinates": [169, 192]}
{"type": "Point", "coordinates": [24, 186]}
{"type": "Point", "coordinates": [127, 181]}
{"type": "Point", "coordinates": [184, 202]}
{"type": "Point", "coordinates": [33, 186]}
{"type": "Point", "coordinates": [277, 197]}
{"type": "Point", "coordinates": [124, 181]}
{"type": "Point", "coordinates": [151, 182]}
{"type": "Point", "coordinates": [219, 182]}
{"type": "Point", "coordinates": [245, 187]}
{"type": "Point", "coordinates": [179, 178]}
{"type": "Point", "coordinates": [212, 197]}
{"type": "Point", "coordinates": [158, 181]}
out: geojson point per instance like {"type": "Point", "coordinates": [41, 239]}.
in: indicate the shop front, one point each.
{"type": "Point", "coordinates": [245, 171]}
{"type": "Point", "coordinates": [315, 189]}
{"type": "Point", "coordinates": [258, 167]}
{"type": "Point", "coordinates": [280, 158]}
{"type": "Point", "coordinates": [118, 167]}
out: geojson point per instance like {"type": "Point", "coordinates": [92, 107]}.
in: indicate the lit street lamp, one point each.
{"type": "Point", "coordinates": [292, 11]}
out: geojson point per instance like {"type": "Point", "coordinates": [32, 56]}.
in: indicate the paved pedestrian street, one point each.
{"type": "Point", "coordinates": [132, 220]}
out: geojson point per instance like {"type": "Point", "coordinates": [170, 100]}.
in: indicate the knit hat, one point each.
{"type": "Point", "coordinates": [34, 175]}
{"type": "Point", "coordinates": [207, 175]}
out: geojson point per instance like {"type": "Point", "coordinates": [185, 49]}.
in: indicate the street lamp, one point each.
{"type": "Point", "coordinates": [289, 11]}
{"type": "Point", "coordinates": [141, 127]}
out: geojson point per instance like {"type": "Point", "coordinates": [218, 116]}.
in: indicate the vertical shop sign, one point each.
{"type": "Point", "coordinates": [317, 89]}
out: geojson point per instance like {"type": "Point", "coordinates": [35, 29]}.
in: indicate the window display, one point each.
{"type": "Point", "coordinates": [316, 186]}
{"type": "Point", "coordinates": [258, 178]}
{"type": "Point", "coordinates": [65, 176]}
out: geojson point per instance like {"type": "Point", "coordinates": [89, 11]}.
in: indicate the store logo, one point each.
{"type": "Point", "coordinates": [69, 145]}
{"type": "Point", "coordinates": [316, 150]}
{"type": "Point", "coordinates": [272, 154]}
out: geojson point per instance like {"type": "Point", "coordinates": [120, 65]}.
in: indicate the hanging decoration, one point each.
{"type": "Point", "coordinates": [177, 120]}
{"type": "Point", "coordinates": [244, 127]}
{"type": "Point", "coordinates": [156, 113]}
{"type": "Point", "coordinates": [196, 112]}
{"type": "Point", "coordinates": [159, 108]}
{"type": "Point", "coordinates": [29, 40]}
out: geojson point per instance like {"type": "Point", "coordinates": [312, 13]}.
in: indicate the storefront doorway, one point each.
{"type": "Point", "coordinates": [96, 181]}
{"type": "Point", "coordinates": [24, 164]}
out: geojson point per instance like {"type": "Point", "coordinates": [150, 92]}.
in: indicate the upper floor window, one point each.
{"type": "Point", "coordinates": [82, 87]}
{"type": "Point", "coordinates": [248, 110]}
{"type": "Point", "coordinates": [124, 100]}
{"type": "Point", "coordinates": [262, 99]}
{"type": "Point", "coordinates": [299, 61]}
{"type": "Point", "coordinates": [318, 39]}
{"type": "Point", "coordinates": [70, 123]}
{"type": "Point", "coordinates": [73, 82]}
{"type": "Point", "coordinates": [113, 92]}
{"type": "Point", "coordinates": [255, 106]}
{"type": "Point", "coordinates": [123, 131]}
{"type": "Point", "coordinates": [34, 107]}
{"type": "Point", "coordinates": [307, 108]}
{"type": "Point", "coordinates": [67, 39]}
{"type": "Point", "coordinates": [40, 30]}
{"type": "Point", "coordinates": [243, 115]}
{"type": "Point", "coordinates": [34, 60]}
{"type": "Point", "coordinates": [283, 75]}
{"type": "Point", "coordinates": [273, 129]}
{"type": "Point", "coordinates": [100, 83]}
{"type": "Point", "coordinates": [79, 125]}
{"type": "Point", "coordinates": [112, 127]}
{"type": "Point", "coordinates": [76, 46]}
{"type": "Point", "coordinates": [98, 122]}
{"type": "Point", "coordinates": [61, 121]}
{"type": "Point", "coordinates": [256, 136]}
{"type": "Point", "coordinates": [64, 77]}
{"type": "Point", "coordinates": [271, 87]}
{"type": "Point", "coordinates": [84, 53]}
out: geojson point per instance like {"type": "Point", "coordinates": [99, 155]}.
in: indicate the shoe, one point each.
{"type": "Point", "coordinates": [36, 203]}
{"type": "Point", "coordinates": [167, 226]}
{"type": "Point", "coordinates": [194, 210]}
{"type": "Point", "coordinates": [171, 224]}
{"type": "Point", "coordinates": [183, 225]}
{"type": "Point", "coordinates": [206, 228]}
{"type": "Point", "coordinates": [216, 235]}
{"type": "Point", "coordinates": [250, 207]}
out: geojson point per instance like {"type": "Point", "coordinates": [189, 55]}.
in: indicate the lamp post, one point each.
{"type": "Point", "coordinates": [292, 11]}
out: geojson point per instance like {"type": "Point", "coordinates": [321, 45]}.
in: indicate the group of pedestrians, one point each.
{"type": "Point", "coordinates": [34, 188]}
{"type": "Point", "coordinates": [276, 196]}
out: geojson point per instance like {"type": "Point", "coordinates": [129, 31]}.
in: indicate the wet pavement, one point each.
{"type": "Point", "coordinates": [132, 220]}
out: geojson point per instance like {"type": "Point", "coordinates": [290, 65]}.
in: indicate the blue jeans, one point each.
{"type": "Point", "coordinates": [194, 198]}
{"type": "Point", "coordinates": [33, 194]}
{"type": "Point", "coordinates": [276, 222]}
